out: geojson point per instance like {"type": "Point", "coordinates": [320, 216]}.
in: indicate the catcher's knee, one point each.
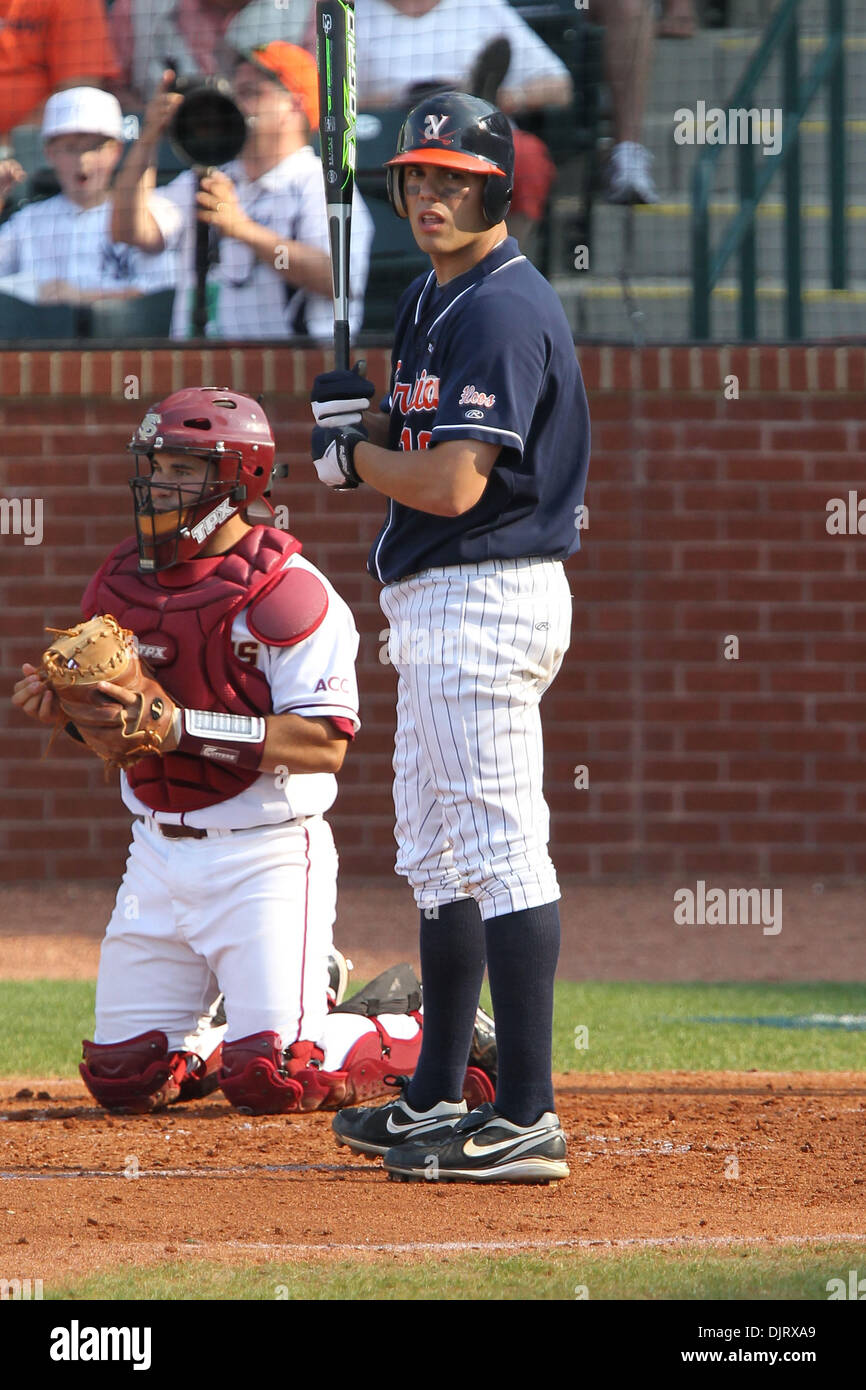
{"type": "Point", "coordinates": [139, 1074]}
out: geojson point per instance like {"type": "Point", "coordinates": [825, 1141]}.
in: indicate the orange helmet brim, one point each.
{"type": "Point", "coordinates": [447, 159]}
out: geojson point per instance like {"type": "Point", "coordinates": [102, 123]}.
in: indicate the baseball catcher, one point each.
{"type": "Point", "coordinates": [214, 671]}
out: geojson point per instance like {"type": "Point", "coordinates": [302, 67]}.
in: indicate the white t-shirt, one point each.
{"type": "Point", "coordinates": [252, 299]}
{"type": "Point", "coordinates": [397, 51]}
{"type": "Point", "coordinates": [57, 240]}
{"type": "Point", "coordinates": [315, 677]}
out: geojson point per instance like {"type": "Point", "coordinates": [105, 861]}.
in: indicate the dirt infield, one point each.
{"type": "Point", "coordinates": [683, 1157]}
{"type": "Point", "coordinates": [667, 1157]}
{"type": "Point", "coordinates": [608, 932]}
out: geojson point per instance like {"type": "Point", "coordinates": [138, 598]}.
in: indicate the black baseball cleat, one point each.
{"type": "Point", "coordinates": [373, 1130]}
{"type": "Point", "coordinates": [485, 1147]}
{"type": "Point", "coordinates": [482, 1052]}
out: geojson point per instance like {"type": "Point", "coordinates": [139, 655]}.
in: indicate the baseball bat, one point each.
{"type": "Point", "coordinates": [338, 110]}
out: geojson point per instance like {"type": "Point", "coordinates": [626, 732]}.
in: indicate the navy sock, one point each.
{"type": "Point", "coordinates": [522, 952]}
{"type": "Point", "coordinates": [452, 968]}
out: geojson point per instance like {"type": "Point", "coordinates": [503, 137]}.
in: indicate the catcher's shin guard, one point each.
{"type": "Point", "coordinates": [254, 1077]}
{"type": "Point", "coordinates": [371, 1067]}
{"type": "Point", "coordinates": [479, 1083]}
{"type": "Point", "coordinates": [140, 1074]}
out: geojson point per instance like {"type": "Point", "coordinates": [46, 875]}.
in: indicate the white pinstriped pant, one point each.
{"type": "Point", "coordinates": [475, 647]}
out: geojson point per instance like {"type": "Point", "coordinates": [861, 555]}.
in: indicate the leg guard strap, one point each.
{"type": "Point", "coordinates": [369, 1069]}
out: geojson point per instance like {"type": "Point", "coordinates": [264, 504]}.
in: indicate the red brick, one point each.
{"type": "Point", "coordinates": [772, 465]}
{"type": "Point", "coordinates": [840, 832]}
{"type": "Point", "coordinates": [768, 407]}
{"type": "Point", "coordinates": [800, 618]}
{"type": "Point", "coordinates": [807, 861]}
{"type": "Point", "coordinates": [810, 802]}
{"type": "Point", "coordinates": [722, 557]}
{"type": "Point", "coordinates": [803, 680]}
{"type": "Point", "coordinates": [10, 378]}
{"type": "Point", "coordinates": [766, 770]}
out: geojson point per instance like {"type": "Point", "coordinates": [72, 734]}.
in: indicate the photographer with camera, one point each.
{"type": "Point", "coordinates": [269, 274]}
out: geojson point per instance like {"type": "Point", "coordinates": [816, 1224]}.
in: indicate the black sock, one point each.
{"type": "Point", "coordinates": [452, 968]}
{"type": "Point", "coordinates": [522, 951]}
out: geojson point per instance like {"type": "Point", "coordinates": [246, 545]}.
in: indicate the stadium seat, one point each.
{"type": "Point", "coordinates": [377, 141]}
{"type": "Point", "coordinates": [394, 261]}
{"type": "Point", "coordinates": [27, 147]}
{"type": "Point", "coordinates": [149, 316]}
{"type": "Point", "coordinates": [21, 320]}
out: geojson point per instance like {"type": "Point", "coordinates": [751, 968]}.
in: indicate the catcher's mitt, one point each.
{"type": "Point", "coordinates": [121, 733]}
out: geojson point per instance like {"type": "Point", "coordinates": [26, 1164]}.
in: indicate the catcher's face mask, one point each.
{"type": "Point", "coordinates": [181, 499]}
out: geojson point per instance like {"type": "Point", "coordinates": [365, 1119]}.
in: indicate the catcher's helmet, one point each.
{"type": "Point", "coordinates": [231, 433]}
{"type": "Point", "coordinates": [458, 132]}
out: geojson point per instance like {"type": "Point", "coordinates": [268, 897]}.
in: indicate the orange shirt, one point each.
{"type": "Point", "coordinates": [46, 43]}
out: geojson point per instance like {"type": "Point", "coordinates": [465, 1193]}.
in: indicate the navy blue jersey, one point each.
{"type": "Point", "coordinates": [488, 356]}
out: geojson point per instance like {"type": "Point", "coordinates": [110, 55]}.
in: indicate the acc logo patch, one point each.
{"type": "Point", "coordinates": [149, 425]}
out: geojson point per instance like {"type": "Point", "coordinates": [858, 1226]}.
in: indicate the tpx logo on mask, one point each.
{"type": "Point", "coordinates": [213, 520]}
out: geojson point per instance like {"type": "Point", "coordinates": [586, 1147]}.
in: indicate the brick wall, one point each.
{"type": "Point", "coordinates": [707, 518]}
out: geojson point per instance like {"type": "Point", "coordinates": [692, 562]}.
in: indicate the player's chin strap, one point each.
{"type": "Point", "coordinates": [236, 740]}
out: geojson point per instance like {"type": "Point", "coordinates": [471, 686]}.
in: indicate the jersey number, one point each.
{"type": "Point", "coordinates": [406, 444]}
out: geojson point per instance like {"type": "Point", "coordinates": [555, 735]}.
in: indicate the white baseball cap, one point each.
{"type": "Point", "coordinates": [82, 111]}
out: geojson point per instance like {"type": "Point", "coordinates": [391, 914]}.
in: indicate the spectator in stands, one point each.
{"type": "Point", "coordinates": [628, 48]}
{"type": "Point", "coordinates": [196, 36]}
{"type": "Point", "coordinates": [266, 209]}
{"type": "Point", "coordinates": [60, 250]}
{"type": "Point", "coordinates": [407, 44]}
{"type": "Point", "coordinates": [46, 45]}
{"type": "Point", "coordinates": [404, 43]}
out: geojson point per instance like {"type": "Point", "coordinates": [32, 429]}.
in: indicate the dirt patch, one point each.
{"type": "Point", "coordinates": [608, 932]}
{"type": "Point", "coordinates": [683, 1156]}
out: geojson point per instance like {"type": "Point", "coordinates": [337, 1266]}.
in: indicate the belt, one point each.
{"type": "Point", "coordinates": [190, 832]}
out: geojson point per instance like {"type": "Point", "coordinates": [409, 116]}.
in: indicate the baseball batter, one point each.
{"type": "Point", "coordinates": [230, 885]}
{"type": "Point", "coordinates": [483, 451]}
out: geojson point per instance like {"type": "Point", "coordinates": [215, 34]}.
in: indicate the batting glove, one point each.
{"type": "Point", "coordinates": [340, 398]}
{"type": "Point", "coordinates": [333, 452]}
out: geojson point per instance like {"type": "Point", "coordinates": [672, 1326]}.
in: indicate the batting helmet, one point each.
{"type": "Point", "coordinates": [230, 432]}
{"type": "Point", "coordinates": [458, 132]}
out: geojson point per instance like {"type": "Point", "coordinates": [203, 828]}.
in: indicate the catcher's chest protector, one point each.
{"type": "Point", "coordinates": [183, 621]}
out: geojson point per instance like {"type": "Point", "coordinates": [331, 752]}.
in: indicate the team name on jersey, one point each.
{"type": "Point", "coordinates": [420, 394]}
{"type": "Point", "coordinates": [469, 396]}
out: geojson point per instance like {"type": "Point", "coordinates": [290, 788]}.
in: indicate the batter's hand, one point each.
{"type": "Point", "coordinates": [333, 452]}
{"type": "Point", "coordinates": [340, 398]}
{"type": "Point", "coordinates": [35, 698]}
{"type": "Point", "coordinates": [218, 205]}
